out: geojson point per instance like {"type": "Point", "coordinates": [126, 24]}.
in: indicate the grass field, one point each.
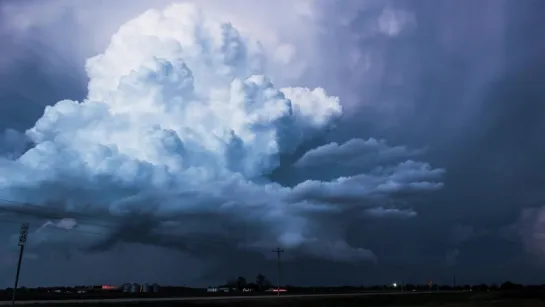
{"type": "Point", "coordinates": [468, 299]}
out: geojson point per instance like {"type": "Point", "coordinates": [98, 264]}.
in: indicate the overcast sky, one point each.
{"type": "Point", "coordinates": [373, 140]}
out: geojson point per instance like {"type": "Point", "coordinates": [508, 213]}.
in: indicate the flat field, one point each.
{"type": "Point", "coordinates": [461, 299]}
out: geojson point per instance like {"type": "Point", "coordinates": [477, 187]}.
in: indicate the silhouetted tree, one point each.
{"type": "Point", "coordinates": [260, 280]}
{"type": "Point", "coordinates": [482, 287]}
{"type": "Point", "coordinates": [410, 287]}
{"type": "Point", "coordinates": [240, 283]}
{"type": "Point", "coordinates": [231, 283]}
{"type": "Point", "coordinates": [507, 286]}
{"type": "Point", "coordinates": [511, 286]}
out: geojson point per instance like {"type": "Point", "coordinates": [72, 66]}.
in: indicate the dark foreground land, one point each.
{"type": "Point", "coordinates": [453, 299]}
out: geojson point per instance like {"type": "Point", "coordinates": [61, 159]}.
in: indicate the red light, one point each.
{"type": "Point", "coordinates": [107, 287]}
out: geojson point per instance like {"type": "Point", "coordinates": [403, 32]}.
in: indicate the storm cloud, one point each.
{"type": "Point", "coordinates": [181, 126]}
{"type": "Point", "coordinates": [383, 139]}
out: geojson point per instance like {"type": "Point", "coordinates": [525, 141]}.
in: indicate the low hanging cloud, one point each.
{"type": "Point", "coordinates": [356, 153]}
{"type": "Point", "coordinates": [180, 130]}
{"type": "Point", "coordinates": [391, 212]}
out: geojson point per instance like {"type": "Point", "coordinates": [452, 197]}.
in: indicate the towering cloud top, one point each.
{"type": "Point", "coordinates": [180, 131]}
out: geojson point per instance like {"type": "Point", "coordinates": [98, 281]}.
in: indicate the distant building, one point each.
{"type": "Point", "coordinates": [126, 287]}
{"type": "Point", "coordinates": [146, 288]}
{"type": "Point", "coordinates": [155, 288]}
{"type": "Point", "coordinates": [135, 288]}
{"type": "Point", "coordinates": [276, 290]}
{"type": "Point", "coordinates": [222, 289]}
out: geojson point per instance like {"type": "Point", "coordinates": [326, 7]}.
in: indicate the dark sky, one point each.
{"type": "Point", "coordinates": [465, 81]}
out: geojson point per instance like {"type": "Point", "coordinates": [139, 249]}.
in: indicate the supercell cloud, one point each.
{"type": "Point", "coordinates": [182, 127]}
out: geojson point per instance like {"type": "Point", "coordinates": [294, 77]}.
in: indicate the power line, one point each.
{"type": "Point", "coordinates": [65, 213]}
{"type": "Point", "coordinates": [23, 232]}
{"type": "Point", "coordinates": [61, 214]}
{"type": "Point", "coordinates": [80, 219]}
{"type": "Point", "coordinates": [278, 251]}
{"type": "Point", "coordinates": [59, 228]}
{"type": "Point", "coordinates": [190, 244]}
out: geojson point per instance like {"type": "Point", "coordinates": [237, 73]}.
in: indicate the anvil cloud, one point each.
{"type": "Point", "coordinates": [181, 129]}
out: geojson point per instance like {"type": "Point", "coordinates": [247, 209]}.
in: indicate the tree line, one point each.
{"type": "Point", "coordinates": [260, 283]}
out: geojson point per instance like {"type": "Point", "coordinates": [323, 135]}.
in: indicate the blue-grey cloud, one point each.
{"type": "Point", "coordinates": [459, 79]}
{"type": "Point", "coordinates": [13, 143]}
{"type": "Point", "coordinates": [183, 121]}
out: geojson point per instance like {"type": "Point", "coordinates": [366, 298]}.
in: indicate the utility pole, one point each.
{"type": "Point", "coordinates": [454, 282]}
{"type": "Point", "coordinates": [278, 251]}
{"type": "Point", "coordinates": [22, 240]}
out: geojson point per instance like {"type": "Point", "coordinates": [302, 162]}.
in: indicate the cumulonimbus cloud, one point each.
{"type": "Point", "coordinates": [180, 130]}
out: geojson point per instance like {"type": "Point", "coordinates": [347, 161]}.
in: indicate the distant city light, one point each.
{"type": "Point", "coordinates": [394, 284]}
